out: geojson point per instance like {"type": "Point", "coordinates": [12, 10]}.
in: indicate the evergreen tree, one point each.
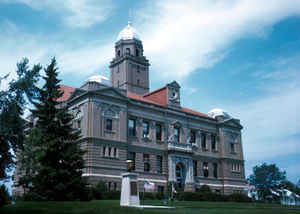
{"type": "Point", "coordinates": [58, 170]}
{"type": "Point", "coordinates": [12, 105]}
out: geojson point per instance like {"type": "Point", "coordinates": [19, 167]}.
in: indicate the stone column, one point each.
{"type": "Point", "coordinates": [171, 167]}
{"type": "Point", "coordinates": [129, 190]}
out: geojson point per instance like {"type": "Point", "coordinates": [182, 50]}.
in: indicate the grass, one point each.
{"type": "Point", "coordinates": [109, 207]}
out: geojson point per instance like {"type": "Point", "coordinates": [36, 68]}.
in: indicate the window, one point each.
{"type": "Point", "coordinates": [119, 53]}
{"type": "Point", "coordinates": [215, 170]}
{"type": "Point", "coordinates": [145, 129]}
{"type": "Point", "coordinates": [79, 124]}
{"type": "Point", "coordinates": [118, 68]}
{"type": "Point", "coordinates": [118, 83]}
{"type": "Point", "coordinates": [213, 143]}
{"type": "Point", "coordinates": [138, 68]}
{"type": "Point", "coordinates": [146, 167]}
{"type": "Point", "coordinates": [115, 186]}
{"type": "Point", "coordinates": [115, 152]}
{"type": "Point", "coordinates": [158, 131]}
{"type": "Point", "coordinates": [131, 156]}
{"type": "Point", "coordinates": [127, 51]}
{"type": "Point", "coordinates": [146, 159]}
{"type": "Point", "coordinates": [160, 189]}
{"type": "Point", "coordinates": [159, 163]}
{"type": "Point", "coordinates": [235, 167]}
{"type": "Point", "coordinates": [131, 127]}
{"type": "Point", "coordinates": [203, 141]}
{"type": "Point", "coordinates": [137, 52]}
{"type": "Point", "coordinates": [109, 186]}
{"type": "Point", "coordinates": [138, 82]}
{"type": "Point", "coordinates": [103, 151]}
{"type": "Point", "coordinates": [177, 134]}
{"type": "Point", "coordinates": [195, 165]}
{"type": "Point", "coordinates": [232, 149]}
{"type": "Point", "coordinates": [193, 137]}
{"type": "Point", "coordinates": [108, 124]}
{"type": "Point", "coordinates": [205, 169]}
{"type": "Point", "coordinates": [109, 151]}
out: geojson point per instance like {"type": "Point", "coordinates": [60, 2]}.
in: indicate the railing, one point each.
{"type": "Point", "coordinates": [172, 146]}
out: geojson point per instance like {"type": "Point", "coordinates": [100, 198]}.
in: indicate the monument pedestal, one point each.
{"type": "Point", "coordinates": [129, 190]}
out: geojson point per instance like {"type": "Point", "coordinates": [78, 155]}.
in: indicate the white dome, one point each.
{"type": "Point", "coordinates": [99, 79]}
{"type": "Point", "coordinates": [128, 33]}
{"type": "Point", "coordinates": [218, 112]}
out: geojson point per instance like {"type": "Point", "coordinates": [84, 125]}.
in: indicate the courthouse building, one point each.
{"type": "Point", "coordinates": [121, 119]}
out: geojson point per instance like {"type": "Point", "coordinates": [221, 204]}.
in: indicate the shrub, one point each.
{"type": "Point", "coordinates": [4, 196]}
{"type": "Point", "coordinates": [111, 195]}
{"type": "Point", "coordinates": [98, 191]}
{"type": "Point", "coordinates": [237, 197]}
{"type": "Point", "coordinates": [204, 189]}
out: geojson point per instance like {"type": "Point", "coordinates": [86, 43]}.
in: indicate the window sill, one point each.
{"type": "Point", "coordinates": [111, 158]}
{"type": "Point", "coordinates": [109, 131]}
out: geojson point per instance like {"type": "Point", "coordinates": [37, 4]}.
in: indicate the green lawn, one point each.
{"type": "Point", "coordinates": [109, 207]}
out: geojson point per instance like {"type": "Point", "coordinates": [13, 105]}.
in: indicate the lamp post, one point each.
{"type": "Point", "coordinates": [129, 165]}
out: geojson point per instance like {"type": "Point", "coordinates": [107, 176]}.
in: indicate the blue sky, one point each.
{"type": "Point", "coordinates": [239, 55]}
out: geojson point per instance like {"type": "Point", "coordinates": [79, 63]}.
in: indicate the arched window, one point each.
{"type": "Point", "coordinates": [119, 53]}
{"type": "Point", "coordinates": [127, 51]}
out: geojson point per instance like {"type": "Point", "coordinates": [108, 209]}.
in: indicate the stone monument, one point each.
{"type": "Point", "coordinates": [129, 190]}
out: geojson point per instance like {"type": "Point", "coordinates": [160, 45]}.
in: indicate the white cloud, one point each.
{"type": "Point", "coordinates": [75, 13]}
{"type": "Point", "coordinates": [78, 61]}
{"type": "Point", "coordinates": [271, 124]}
{"type": "Point", "coordinates": [181, 36]}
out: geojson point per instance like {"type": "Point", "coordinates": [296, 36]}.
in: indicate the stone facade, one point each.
{"type": "Point", "coordinates": [167, 142]}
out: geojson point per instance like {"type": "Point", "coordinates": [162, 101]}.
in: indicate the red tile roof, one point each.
{"type": "Point", "coordinates": [157, 97]}
{"type": "Point", "coordinates": [67, 92]}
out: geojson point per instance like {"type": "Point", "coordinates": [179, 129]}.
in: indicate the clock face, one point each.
{"type": "Point", "coordinates": [174, 95]}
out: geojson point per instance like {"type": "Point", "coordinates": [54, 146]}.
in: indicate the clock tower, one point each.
{"type": "Point", "coordinates": [129, 69]}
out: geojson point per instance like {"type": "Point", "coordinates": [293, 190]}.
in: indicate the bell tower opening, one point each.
{"type": "Point", "coordinates": [129, 69]}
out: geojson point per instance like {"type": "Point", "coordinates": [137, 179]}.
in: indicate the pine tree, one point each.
{"type": "Point", "coordinates": [12, 105]}
{"type": "Point", "coordinates": [58, 172]}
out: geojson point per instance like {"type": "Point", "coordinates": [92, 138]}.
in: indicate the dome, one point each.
{"type": "Point", "coordinates": [218, 112]}
{"type": "Point", "coordinates": [100, 79]}
{"type": "Point", "coordinates": [128, 33]}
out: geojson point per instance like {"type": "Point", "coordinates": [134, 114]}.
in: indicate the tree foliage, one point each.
{"type": "Point", "coordinates": [56, 167]}
{"type": "Point", "coordinates": [12, 105]}
{"type": "Point", "coordinates": [266, 178]}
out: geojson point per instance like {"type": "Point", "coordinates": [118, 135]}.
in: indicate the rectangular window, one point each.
{"type": "Point", "coordinates": [159, 163]}
{"type": "Point", "coordinates": [213, 143]}
{"type": "Point", "coordinates": [79, 124]}
{"type": "Point", "coordinates": [131, 127]}
{"type": "Point", "coordinates": [108, 124]}
{"type": "Point", "coordinates": [177, 134]}
{"type": "Point", "coordinates": [205, 169]}
{"type": "Point", "coordinates": [146, 159]}
{"type": "Point", "coordinates": [215, 170]}
{"type": "Point", "coordinates": [115, 186]}
{"type": "Point", "coordinates": [115, 152]}
{"type": "Point", "coordinates": [131, 156]}
{"type": "Point", "coordinates": [195, 164]}
{"type": "Point", "coordinates": [193, 136]}
{"type": "Point", "coordinates": [232, 149]}
{"type": "Point", "coordinates": [145, 129]}
{"type": "Point", "coordinates": [103, 151]}
{"type": "Point", "coordinates": [203, 140]}
{"type": "Point", "coordinates": [109, 152]}
{"type": "Point", "coordinates": [158, 131]}
{"type": "Point", "coordinates": [160, 189]}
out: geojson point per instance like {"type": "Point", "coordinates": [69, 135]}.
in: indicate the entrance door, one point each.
{"type": "Point", "coordinates": [180, 175]}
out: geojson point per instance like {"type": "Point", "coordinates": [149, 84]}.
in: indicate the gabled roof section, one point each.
{"type": "Point", "coordinates": [158, 96]}
{"type": "Point", "coordinates": [67, 90]}
{"type": "Point", "coordinates": [174, 84]}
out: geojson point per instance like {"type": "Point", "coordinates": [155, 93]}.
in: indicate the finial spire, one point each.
{"type": "Point", "coordinates": [129, 23]}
